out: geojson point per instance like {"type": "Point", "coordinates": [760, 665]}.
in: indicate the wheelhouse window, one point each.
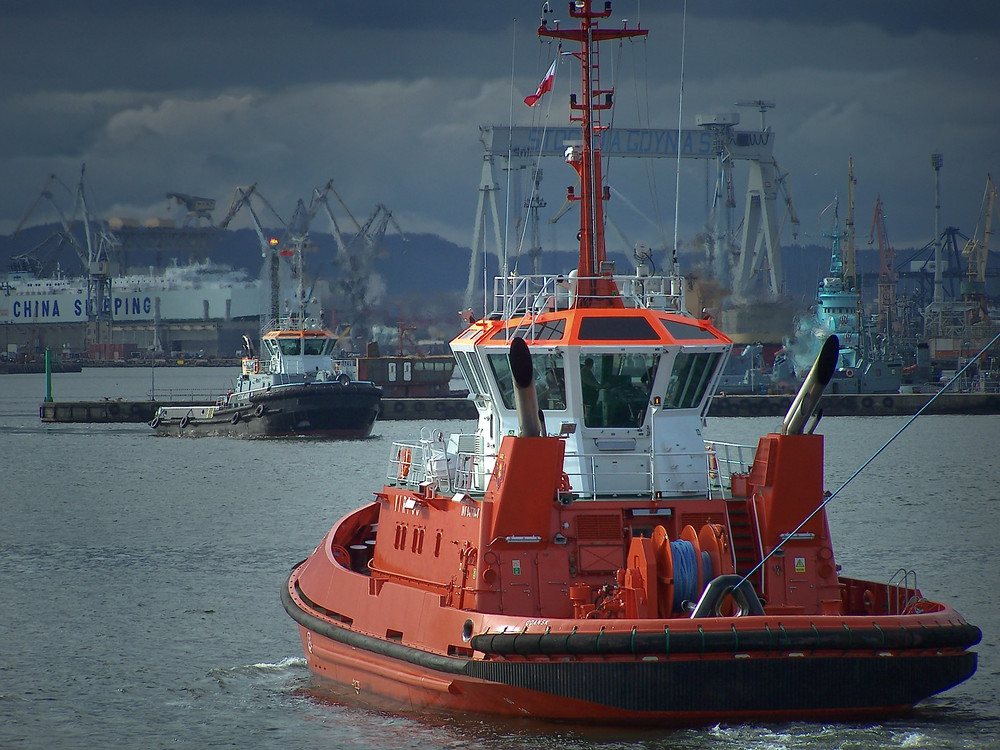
{"type": "Point", "coordinates": [290, 347]}
{"type": "Point", "coordinates": [689, 379]}
{"type": "Point", "coordinates": [473, 373]}
{"type": "Point", "coordinates": [617, 329]}
{"type": "Point", "coordinates": [616, 388]}
{"type": "Point", "coordinates": [549, 374]}
{"type": "Point", "coordinates": [313, 347]}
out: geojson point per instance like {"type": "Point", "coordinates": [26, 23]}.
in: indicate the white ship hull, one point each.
{"type": "Point", "coordinates": [178, 295]}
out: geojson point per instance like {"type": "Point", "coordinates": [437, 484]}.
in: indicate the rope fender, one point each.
{"type": "Point", "coordinates": [629, 642]}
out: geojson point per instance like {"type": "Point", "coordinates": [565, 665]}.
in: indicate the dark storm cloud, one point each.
{"type": "Point", "coordinates": [386, 98]}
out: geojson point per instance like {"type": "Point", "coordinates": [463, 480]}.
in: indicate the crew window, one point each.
{"type": "Point", "coordinates": [289, 346]}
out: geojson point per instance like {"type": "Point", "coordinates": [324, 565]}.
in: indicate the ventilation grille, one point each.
{"type": "Point", "coordinates": [599, 527]}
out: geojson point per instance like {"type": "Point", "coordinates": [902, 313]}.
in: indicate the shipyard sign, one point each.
{"type": "Point", "coordinates": [71, 308]}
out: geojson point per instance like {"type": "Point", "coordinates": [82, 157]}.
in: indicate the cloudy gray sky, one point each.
{"type": "Point", "coordinates": [385, 97]}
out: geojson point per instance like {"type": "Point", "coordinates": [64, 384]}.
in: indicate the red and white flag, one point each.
{"type": "Point", "coordinates": [545, 85]}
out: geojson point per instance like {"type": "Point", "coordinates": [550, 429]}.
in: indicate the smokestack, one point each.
{"type": "Point", "coordinates": [812, 388]}
{"type": "Point", "coordinates": [525, 397]}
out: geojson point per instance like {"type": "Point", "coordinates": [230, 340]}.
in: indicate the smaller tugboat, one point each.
{"type": "Point", "coordinates": [295, 388]}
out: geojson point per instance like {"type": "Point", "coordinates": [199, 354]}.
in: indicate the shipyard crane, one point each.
{"type": "Point", "coordinates": [197, 208]}
{"type": "Point", "coordinates": [887, 322]}
{"type": "Point", "coordinates": [850, 256]}
{"type": "Point", "coordinates": [357, 280]}
{"type": "Point", "coordinates": [977, 253]}
{"type": "Point", "coordinates": [243, 197]}
{"type": "Point", "coordinates": [94, 256]}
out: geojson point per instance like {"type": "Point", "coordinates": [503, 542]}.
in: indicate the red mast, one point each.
{"type": "Point", "coordinates": [596, 285]}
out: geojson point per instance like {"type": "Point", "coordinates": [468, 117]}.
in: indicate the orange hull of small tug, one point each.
{"type": "Point", "coordinates": [355, 676]}
{"type": "Point", "coordinates": [710, 686]}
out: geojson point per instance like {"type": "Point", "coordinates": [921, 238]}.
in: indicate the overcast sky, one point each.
{"type": "Point", "coordinates": [385, 98]}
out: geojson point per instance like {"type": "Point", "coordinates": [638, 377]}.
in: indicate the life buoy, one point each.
{"type": "Point", "coordinates": [404, 463]}
{"type": "Point", "coordinates": [259, 411]}
{"type": "Point", "coordinates": [235, 418]}
{"type": "Point", "coordinates": [849, 373]}
{"type": "Point", "coordinates": [185, 421]}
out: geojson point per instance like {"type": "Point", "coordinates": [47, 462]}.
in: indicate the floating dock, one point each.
{"type": "Point", "coordinates": [859, 405]}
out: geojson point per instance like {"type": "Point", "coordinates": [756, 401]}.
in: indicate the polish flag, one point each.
{"type": "Point", "coordinates": [545, 85]}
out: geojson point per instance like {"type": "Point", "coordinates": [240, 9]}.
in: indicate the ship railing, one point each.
{"type": "Point", "coordinates": [291, 322]}
{"type": "Point", "coordinates": [428, 462]}
{"type": "Point", "coordinates": [534, 294]}
{"type": "Point", "coordinates": [171, 395]}
{"type": "Point", "coordinates": [901, 591]}
{"type": "Point", "coordinates": [724, 460]}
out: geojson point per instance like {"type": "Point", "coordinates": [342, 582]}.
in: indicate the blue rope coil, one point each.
{"type": "Point", "coordinates": [685, 572]}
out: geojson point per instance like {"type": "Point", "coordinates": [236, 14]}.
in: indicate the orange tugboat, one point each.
{"type": "Point", "coordinates": [584, 555]}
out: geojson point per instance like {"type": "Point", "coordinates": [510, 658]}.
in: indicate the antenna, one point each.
{"type": "Point", "coordinates": [761, 106]}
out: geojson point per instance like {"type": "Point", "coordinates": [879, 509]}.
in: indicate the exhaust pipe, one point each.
{"type": "Point", "coordinates": [525, 397]}
{"type": "Point", "coordinates": [812, 388]}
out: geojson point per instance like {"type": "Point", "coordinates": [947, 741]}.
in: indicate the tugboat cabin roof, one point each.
{"type": "Point", "coordinates": [587, 328]}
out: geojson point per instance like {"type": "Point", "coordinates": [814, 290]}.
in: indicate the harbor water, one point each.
{"type": "Point", "coordinates": [140, 577]}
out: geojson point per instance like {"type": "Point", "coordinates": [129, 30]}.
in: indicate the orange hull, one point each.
{"type": "Point", "coordinates": [688, 686]}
